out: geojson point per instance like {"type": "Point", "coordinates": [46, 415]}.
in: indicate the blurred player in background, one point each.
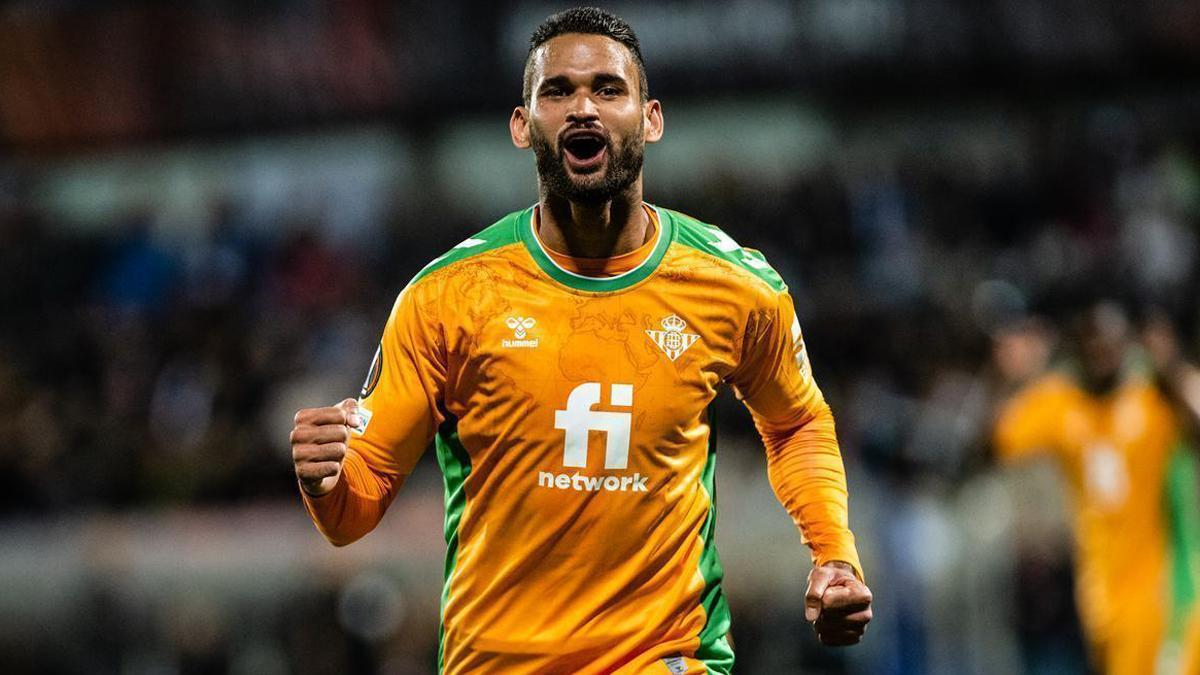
{"type": "Point", "coordinates": [1191, 643]}
{"type": "Point", "coordinates": [565, 359]}
{"type": "Point", "coordinates": [1119, 415]}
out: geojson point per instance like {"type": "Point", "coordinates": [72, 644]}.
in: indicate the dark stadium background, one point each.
{"type": "Point", "coordinates": [206, 210]}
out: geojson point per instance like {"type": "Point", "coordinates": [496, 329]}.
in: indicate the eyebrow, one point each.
{"type": "Point", "coordinates": [597, 79]}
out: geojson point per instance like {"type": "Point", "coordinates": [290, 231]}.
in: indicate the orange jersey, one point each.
{"type": "Point", "coordinates": [1191, 645]}
{"type": "Point", "coordinates": [572, 425]}
{"type": "Point", "coordinates": [1115, 453]}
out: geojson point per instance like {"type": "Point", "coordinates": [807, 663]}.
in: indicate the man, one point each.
{"type": "Point", "coordinates": [1116, 417]}
{"type": "Point", "coordinates": [565, 358]}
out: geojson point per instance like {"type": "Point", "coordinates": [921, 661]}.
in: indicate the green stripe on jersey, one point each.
{"type": "Point", "coordinates": [714, 649]}
{"type": "Point", "coordinates": [1183, 522]}
{"type": "Point", "coordinates": [595, 284]}
{"type": "Point", "coordinates": [500, 233]}
{"type": "Point", "coordinates": [711, 240]}
{"type": "Point", "coordinates": [456, 466]}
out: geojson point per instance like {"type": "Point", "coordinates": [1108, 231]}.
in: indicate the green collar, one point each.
{"type": "Point", "coordinates": [666, 233]}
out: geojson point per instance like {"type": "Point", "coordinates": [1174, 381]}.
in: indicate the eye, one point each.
{"type": "Point", "coordinates": [609, 91]}
{"type": "Point", "coordinates": [553, 92]}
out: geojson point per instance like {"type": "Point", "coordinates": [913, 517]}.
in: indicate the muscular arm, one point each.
{"type": "Point", "coordinates": [1178, 379]}
{"type": "Point", "coordinates": [804, 465]}
{"type": "Point", "coordinates": [804, 462]}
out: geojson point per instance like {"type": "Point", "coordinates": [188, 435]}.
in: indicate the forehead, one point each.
{"type": "Point", "coordinates": [579, 54]}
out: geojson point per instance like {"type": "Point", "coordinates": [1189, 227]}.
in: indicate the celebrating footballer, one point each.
{"type": "Point", "coordinates": [564, 361]}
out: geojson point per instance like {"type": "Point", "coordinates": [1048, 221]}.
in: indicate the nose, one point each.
{"type": "Point", "coordinates": [583, 110]}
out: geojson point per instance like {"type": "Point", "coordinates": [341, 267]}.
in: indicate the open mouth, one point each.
{"type": "Point", "coordinates": [584, 149]}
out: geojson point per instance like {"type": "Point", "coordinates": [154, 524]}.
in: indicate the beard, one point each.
{"type": "Point", "coordinates": [623, 166]}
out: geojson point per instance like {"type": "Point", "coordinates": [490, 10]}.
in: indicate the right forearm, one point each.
{"type": "Point", "coordinates": [1181, 384]}
{"type": "Point", "coordinates": [356, 503]}
{"type": "Point", "coordinates": [804, 467]}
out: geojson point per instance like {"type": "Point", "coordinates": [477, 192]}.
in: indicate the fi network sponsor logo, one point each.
{"type": "Point", "coordinates": [577, 421]}
{"type": "Point", "coordinates": [580, 483]}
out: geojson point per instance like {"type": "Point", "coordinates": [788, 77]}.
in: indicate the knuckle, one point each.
{"type": "Point", "coordinates": [315, 471]}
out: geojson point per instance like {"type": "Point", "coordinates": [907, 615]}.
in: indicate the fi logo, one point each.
{"type": "Point", "coordinates": [577, 421]}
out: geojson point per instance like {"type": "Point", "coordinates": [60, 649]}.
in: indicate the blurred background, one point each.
{"type": "Point", "coordinates": [206, 210]}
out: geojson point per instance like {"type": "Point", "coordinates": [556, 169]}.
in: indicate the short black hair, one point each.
{"type": "Point", "coordinates": [589, 21]}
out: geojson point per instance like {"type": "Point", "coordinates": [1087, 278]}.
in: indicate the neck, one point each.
{"type": "Point", "coordinates": [594, 230]}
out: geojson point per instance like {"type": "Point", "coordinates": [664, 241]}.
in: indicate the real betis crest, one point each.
{"type": "Point", "coordinates": [671, 339]}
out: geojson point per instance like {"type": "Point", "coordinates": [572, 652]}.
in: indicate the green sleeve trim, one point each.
{"type": "Point", "coordinates": [712, 240]}
{"type": "Point", "coordinates": [501, 233]}
{"type": "Point", "coordinates": [579, 282]}
{"type": "Point", "coordinates": [1183, 521]}
{"type": "Point", "coordinates": [456, 466]}
{"type": "Point", "coordinates": [714, 650]}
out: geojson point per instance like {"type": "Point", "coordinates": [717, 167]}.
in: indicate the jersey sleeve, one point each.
{"type": "Point", "coordinates": [1028, 422]}
{"type": "Point", "coordinates": [400, 408]}
{"type": "Point", "coordinates": [804, 463]}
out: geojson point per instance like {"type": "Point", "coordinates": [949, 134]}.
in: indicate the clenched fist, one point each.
{"type": "Point", "coordinates": [837, 604]}
{"type": "Point", "coordinates": [319, 444]}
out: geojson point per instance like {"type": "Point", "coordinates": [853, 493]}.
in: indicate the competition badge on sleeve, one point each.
{"type": "Point", "coordinates": [368, 386]}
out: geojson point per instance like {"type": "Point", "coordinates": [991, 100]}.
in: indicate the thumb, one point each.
{"type": "Point", "coordinates": [818, 581]}
{"type": "Point", "coordinates": [349, 407]}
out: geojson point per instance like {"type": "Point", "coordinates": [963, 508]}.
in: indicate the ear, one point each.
{"type": "Point", "coordinates": [652, 111]}
{"type": "Point", "coordinates": [518, 127]}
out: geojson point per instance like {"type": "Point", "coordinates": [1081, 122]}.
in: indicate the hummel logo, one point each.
{"type": "Point", "coordinates": [671, 339]}
{"type": "Point", "coordinates": [519, 325]}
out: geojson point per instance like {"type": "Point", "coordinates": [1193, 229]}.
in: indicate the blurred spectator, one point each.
{"type": "Point", "coordinates": [1115, 416]}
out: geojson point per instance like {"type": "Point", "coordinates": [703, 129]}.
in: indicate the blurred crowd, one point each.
{"type": "Point", "coordinates": [138, 371]}
{"type": "Point", "coordinates": [141, 370]}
